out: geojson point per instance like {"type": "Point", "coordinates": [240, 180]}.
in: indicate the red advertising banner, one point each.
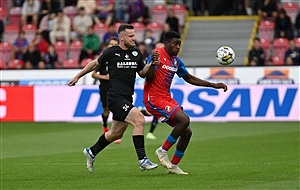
{"type": "Point", "coordinates": [16, 104]}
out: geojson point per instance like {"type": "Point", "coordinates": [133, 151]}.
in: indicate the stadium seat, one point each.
{"type": "Point", "coordinates": [3, 13]}
{"type": "Point", "coordinates": [179, 10]}
{"type": "Point", "coordinates": [11, 32]}
{"type": "Point", "coordinates": [156, 29]}
{"type": "Point", "coordinates": [75, 48]}
{"type": "Point", "coordinates": [139, 29]}
{"type": "Point", "coordinates": [266, 45]}
{"type": "Point", "coordinates": [266, 29]}
{"type": "Point", "coordinates": [30, 31]}
{"type": "Point", "coordinates": [100, 29]}
{"type": "Point", "coordinates": [15, 15]}
{"type": "Point", "coordinates": [85, 61]}
{"type": "Point", "coordinates": [280, 45]}
{"type": "Point", "coordinates": [71, 12]}
{"type": "Point", "coordinates": [297, 42]}
{"type": "Point", "coordinates": [16, 64]}
{"type": "Point", "coordinates": [277, 60]}
{"type": "Point", "coordinates": [5, 51]}
{"type": "Point", "coordinates": [2, 64]}
{"type": "Point", "coordinates": [61, 49]}
{"type": "Point", "coordinates": [159, 13]}
{"type": "Point", "coordinates": [70, 64]}
{"type": "Point", "coordinates": [291, 9]}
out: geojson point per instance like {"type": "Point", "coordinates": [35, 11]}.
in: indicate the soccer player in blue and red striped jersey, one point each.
{"type": "Point", "coordinates": [159, 102]}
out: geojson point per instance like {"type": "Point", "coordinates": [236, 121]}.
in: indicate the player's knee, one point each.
{"type": "Point", "coordinates": [139, 121]}
{"type": "Point", "coordinates": [185, 121]}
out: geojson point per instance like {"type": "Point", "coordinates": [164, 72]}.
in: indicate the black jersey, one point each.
{"type": "Point", "coordinates": [122, 68]}
{"type": "Point", "coordinates": [103, 70]}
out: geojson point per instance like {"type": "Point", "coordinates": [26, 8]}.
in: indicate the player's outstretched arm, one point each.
{"type": "Point", "coordinates": [88, 68]}
{"type": "Point", "coordinates": [96, 75]}
{"type": "Point", "coordinates": [199, 82]}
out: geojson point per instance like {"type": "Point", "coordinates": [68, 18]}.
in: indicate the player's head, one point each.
{"type": "Point", "coordinates": [126, 36]}
{"type": "Point", "coordinates": [172, 43]}
{"type": "Point", "coordinates": [113, 41]}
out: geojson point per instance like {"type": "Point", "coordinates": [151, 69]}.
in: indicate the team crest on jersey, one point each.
{"type": "Point", "coordinates": [134, 53]}
{"type": "Point", "coordinates": [168, 108]}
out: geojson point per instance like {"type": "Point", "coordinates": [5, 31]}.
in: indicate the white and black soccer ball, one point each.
{"type": "Point", "coordinates": [225, 55]}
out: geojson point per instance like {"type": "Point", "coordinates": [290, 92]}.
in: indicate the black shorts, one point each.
{"type": "Point", "coordinates": [120, 107]}
{"type": "Point", "coordinates": [103, 96]}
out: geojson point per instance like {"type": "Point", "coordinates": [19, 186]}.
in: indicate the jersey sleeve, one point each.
{"type": "Point", "coordinates": [182, 71]}
{"type": "Point", "coordinates": [103, 58]}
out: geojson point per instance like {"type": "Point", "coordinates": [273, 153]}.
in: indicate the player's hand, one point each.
{"type": "Point", "coordinates": [73, 81]}
{"type": "Point", "coordinates": [220, 85]}
{"type": "Point", "coordinates": [155, 58]}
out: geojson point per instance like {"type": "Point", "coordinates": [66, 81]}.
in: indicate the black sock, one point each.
{"type": "Point", "coordinates": [99, 145]}
{"type": "Point", "coordinates": [139, 145]}
{"type": "Point", "coordinates": [104, 120]}
{"type": "Point", "coordinates": [153, 124]}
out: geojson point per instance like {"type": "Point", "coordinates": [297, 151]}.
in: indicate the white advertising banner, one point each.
{"type": "Point", "coordinates": [239, 103]}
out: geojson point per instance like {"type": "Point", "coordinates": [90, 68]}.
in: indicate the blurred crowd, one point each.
{"type": "Point", "coordinates": [52, 34]}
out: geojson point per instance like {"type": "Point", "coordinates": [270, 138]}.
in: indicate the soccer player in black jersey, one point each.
{"type": "Point", "coordinates": [101, 73]}
{"type": "Point", "coordinates": [123, 63]}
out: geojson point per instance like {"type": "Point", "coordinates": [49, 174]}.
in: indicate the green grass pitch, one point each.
{"type": "Point", "coordinates": [238, 155]}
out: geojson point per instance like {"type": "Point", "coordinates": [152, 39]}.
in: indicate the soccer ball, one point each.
{"type": "Point", "coordinates": [225, 55]}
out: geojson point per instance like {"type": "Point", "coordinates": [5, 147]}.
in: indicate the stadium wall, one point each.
{"type": "Point", "coordinates": [268, 94]}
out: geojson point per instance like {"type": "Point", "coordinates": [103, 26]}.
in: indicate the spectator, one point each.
{"type": "Point", "coordinates": [121, 11]}
{"type": "Point", "coordinates": [91, 45]}
{"type": "Point", "coordinates": [70, 2]}
{"type": "Point", "coordinates": [18, 3]}
{"type": "Point", "coordinates": [297, 25]}
{"type": "Point", "coordinates": [90, 7]}
{"type": "Point", "coordinates": [110, 33]}
{"type": "Point", "coordinates": [256, 55]}
{"type": "Point", "coordinates": [166, 29]}
{"type": "Point", "coordinates": [1, 30]}
{"type": "Point", "coordinates": [49, 6]}
{"type": "Point", "coordinates": [292, 55]}
{"type": "Point", "coordinates": [51, 58]}
{"type": "Point", "coordinates": [283, 25]}
{"type": "Point", "coordinates": [61, 28]}
{"type": "Point", "coordinates": [268, 9]}
{"type": "Point", "coordinates": [200, 7]}
{"type": "Point", "coordinates": [33, 57]}
{"type": "Point", "coordinates": [105, 10]}
{"type": "Point", "coordinates": [136, 9]}
{"type": "Point", "coordinates": [40, 43]}
{"type": "Point", "coordinates": [46, 25]}
{"type": "Point", "coordinates": [172, 20]}
{"type": "Point", "coordinates": [20, 46]}
{"type": "Point", "coordinates": [30, 12]}
{"type": "Point", "coordinates": [81, 23]}
{"type": "Point", "coordinates": [149, 40]}
{"type": "Point", "coordinates": [142, 48]}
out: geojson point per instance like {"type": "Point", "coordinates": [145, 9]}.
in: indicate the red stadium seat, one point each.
{"type": "Point", "coordinates": [266, 45]}
{"type": "Point", "coordinates": [71, 12]}
{"type": "Point", "coordinates": [280, 45]}
{"type": "Point", "coordinates": [85, 61]}
{"type": "Point", "coordinates": [179, 10]}
{"type": "Point", "coordinates": [11, 32]}
{"type": "Point", "coordinates": [266, 29]}
{"type": "Point", "coordinates": [139, 29]}
{"type": "Point", "coordinates": [156, 29]}
{"type": "Point", "coordinates": [5, 51]}
{"type": "Point", "coordinates": [3, 13]}
{"type": "Point", "coordinates": [100, 29]}
{"type": "Point", "coordinates": [70, 64]}
{"type": "Point", "coordinates": [291, 9]}
{"type": "Point", "coordinates": [61, 49]}
{"type": "Point", "coordinates": [277, 60]}
{"type": "Point", "coordinates": [30, 31]}
{"type": "Point", "coordinates": [75, 48]}
{"type": "Point", "coordinates": [15, 15]}
{"type": "Point", "coordinates": [159, 13]}
{"type": "Point", "coordinates": [2, 64]}
{"type": "Point", "coordinates": [16, 64]}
